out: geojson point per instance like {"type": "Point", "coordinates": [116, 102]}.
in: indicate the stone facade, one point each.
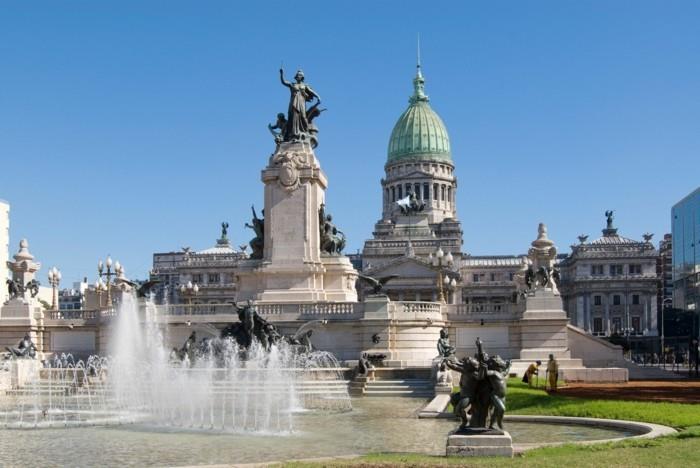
{"type": "Point", "coordinates": [610, 285]}
{"type": "Point", "coordinates": [4, 247]}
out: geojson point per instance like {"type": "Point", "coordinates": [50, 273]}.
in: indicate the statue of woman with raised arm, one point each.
{"type": "Point", "coordinates": [300, 93]}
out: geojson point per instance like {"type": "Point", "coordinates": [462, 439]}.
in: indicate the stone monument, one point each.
{"type": "Point", "coordinates": [544, 322]}
{"type": "Point", "coordinates": [297, 256]}
{"type": "Point", "coordinates": [481, 405]}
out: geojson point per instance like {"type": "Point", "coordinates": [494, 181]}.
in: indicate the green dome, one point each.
{"type": "Point", "coordinates": [419, 132]}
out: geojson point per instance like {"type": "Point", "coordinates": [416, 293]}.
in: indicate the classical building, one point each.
{"type": "Point", "coordinates": [212, 270]}
{"type": "Point", "coordinates": [4, 247]}
{"type": "Point", "coordinates": [609, 285]}
{"type": "Point", "coordinates": [424, 244]}
{"type": "Point", "coordinates": [685, 228]}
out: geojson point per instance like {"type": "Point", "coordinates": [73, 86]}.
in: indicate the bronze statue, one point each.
{"type": "Point", "coordinates": [297, 125]}
{"type": "Point", "coordinates": [482, 391]}
{"type": "Point", "coordinates": [279, 125]}
{"type": "Point", "coordinates": [258, 242]}
{"type": "Point", "coordinates": [377, 284]}
{"type": "Point", "coordinates": [25, 349]}
{"type": "Point", "coordinates": [224, 230]}
{"type": "Point", "coordinates": [14, 289]}
{"type": "Point", "coordinates": [332, 240]}
{"type": "Point", "coordinates": [609, 216]}
{"type": "Point", "coordinates": [445, 350]}
{"type": "Point", "coordinates": [32, 287]}
{"type": "Point", "coordinates": [410, 205]}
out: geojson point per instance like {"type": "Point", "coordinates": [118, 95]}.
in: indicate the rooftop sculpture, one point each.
{"type": "Point", "coordinates": [298, 125]}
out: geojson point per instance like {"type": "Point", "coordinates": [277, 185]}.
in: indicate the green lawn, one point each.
{"type": "Point", "coordinates": [681, 450]}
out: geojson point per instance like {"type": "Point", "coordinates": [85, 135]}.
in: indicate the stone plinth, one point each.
{"type": "Point", "coordinates": [543, 328]}
{"type": "Point", "coordinates": [479, 445]}
{"type": "Point", "coordinates": [23, 371]}
{"type": "Point", "coordinates": [293, 269]}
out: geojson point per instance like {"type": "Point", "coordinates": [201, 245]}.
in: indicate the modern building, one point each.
{"type": "Point", "coordinates": [609, 285]}
{"type": "Point", "coordinates": [73, 298]}
{"type": "Point", "coordinates": [664, 270]}
{"type": "Point", "coordinates": [4, 247]}
{"type": "Point", "coordinates": [685, 229]}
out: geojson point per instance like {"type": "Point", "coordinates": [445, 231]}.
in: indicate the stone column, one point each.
{"type": "Point", "coordinates": [607, 313]}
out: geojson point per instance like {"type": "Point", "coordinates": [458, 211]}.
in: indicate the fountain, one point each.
{"type": "Point", "coordinates": [219, 386]}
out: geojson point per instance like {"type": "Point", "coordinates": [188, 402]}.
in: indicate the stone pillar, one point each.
{"type": "Point", "coordinates": [293, 268]}
{"type": "Point", "coordinates": [607, 314]}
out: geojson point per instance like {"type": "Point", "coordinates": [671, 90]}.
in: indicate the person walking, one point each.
{"type": "Point", "coordinates": [552, 373]}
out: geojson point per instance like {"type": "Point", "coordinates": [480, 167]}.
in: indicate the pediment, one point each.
{"type": "Point", "coordinates": [405, 267]}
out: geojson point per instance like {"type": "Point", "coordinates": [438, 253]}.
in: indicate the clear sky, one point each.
{"type": "Point", "coordinates": [133, 127]}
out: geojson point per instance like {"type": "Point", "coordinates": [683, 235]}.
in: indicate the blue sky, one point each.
{"type": "Point", "coordinates": [137, 127]}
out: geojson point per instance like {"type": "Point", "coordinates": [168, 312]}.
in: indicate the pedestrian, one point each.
{"type": "Point", "coordinates": [532, 371]}
{"type": "Point", "coordinates": [552, 373]}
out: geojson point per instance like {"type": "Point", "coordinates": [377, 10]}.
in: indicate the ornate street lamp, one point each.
{"type": "Point", "coordinates": [189, 291]}
{"type": "Point", "coordinates": [109, 274]}
{"type": "Point", "coordinates": [54, 281]}
{"type": "Point", "coordinates": [442, 262]}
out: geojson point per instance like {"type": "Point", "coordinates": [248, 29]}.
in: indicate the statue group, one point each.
{"type": "Point", "coordinates": [16, 289]}
{"type": "Point", "coordinates": [257, 243]}
{"type": "Point", "coordinates": [24, 350]}
{"type": "Point", "coordinates": [410, 205]}
{"type": "Point", "coordinates": [332, 240]}
{"type": "Point", "coordinates": [298, 125]}
{"type": "Point", "coordinates": [251, 329]}
{"type": "Point", "coordinates": [481, 401]}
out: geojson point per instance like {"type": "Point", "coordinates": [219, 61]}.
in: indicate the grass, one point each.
{"type": "Point", "coordinates": [679, 450]}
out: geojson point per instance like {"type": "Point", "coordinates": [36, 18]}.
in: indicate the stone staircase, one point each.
{"type": "Point", "coordinates": [417, 388]}
{"type": "Point", "coordinates": [391, 381]}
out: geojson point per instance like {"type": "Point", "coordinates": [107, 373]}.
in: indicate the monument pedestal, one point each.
{"type": "Point", "coordinates": [292, 268]}
{"type": "Point", "coordinates": [19, 317]}
{"type": "Point", "coordinates": [479, 445]}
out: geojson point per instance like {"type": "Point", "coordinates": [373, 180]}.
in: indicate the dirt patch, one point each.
{"type": "Point", "coordinates": [679, 391]}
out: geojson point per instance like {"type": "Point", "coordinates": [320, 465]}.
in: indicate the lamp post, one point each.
{"type": "Point", "coordinates": [189, 291]}
{"type": "Point", "coordinates": [109, 274]}
{"type": "Point", "coordinates": [442, 261]}
{"type": "Point", "coordinates": [100, 287]}
{"type": "Point", "coordinates": [54, 280]}
{"type": "Point", "coordinates": [664, 306]}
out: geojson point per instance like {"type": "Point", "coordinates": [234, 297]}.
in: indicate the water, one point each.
{"type": "Point", "coordinates": [141, 384]}
{"type": "Point", "coordinates": [374, 425]}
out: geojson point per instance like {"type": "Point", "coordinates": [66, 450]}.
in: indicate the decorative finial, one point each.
{"type": "Point", "coordinates": [418, 82]}
{"type": "Point", "coordinates": [418, 54]}
{"type": "Point", "coordinates": [582, 238]}
{"type": "Point", "coordinates": [647, 236]}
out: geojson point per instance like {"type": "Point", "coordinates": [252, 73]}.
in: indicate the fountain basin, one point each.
{"type": "Point", "coordinates": [374, 425]}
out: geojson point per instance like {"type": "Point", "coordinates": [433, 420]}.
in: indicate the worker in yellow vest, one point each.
{"type": "Point", "coordinates": [552, 373]}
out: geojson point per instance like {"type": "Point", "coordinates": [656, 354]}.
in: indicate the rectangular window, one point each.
{"type": "Point", "coordinates": [416, 187]}
{"type": "Point", "coordinates": [475, 278]}
{"type": "Point", "coordinates": [616, 299]}
{"type": "Point", "coordinates": [393, 194]}
{"type": "Point", "coordinates": [597, 325]}
{"type": "Point", "coordinates": [197, 278]}
{"type": "Point", "coordinates": [426, 191]}
{"type": "Point", "coordinates": [596, 270]}
{"type": "Point", "coordinates": [635, 269]}
{"type": "Point", "coordinates": [493, 276]}
{"type": "Point", "coordinates": [442, 194]}
{"type": "Point", "coordinates": [511, 276]}
{"type": "Point", "coordinates": [400, 192]}
{"type": "Point", "coordinates": [615, 270]}
{"type": "Point", "coordinates": [635, 299]}
{"type": "Point", "coordinates": [449, 194]}
{"type": "Point", "coordinates": [636, 325]}
{"type": "Point", "coordinates": [214, 278]}
{"type": "Point", "coordinates": [597, 300]}
{"type": "Point", "coordinates": [435, 191]}
{"type": "Point", "coordinates": [616, 325]}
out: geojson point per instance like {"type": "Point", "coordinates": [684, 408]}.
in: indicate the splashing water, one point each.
{"type": "Point", "coordinates": [140, 383]}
